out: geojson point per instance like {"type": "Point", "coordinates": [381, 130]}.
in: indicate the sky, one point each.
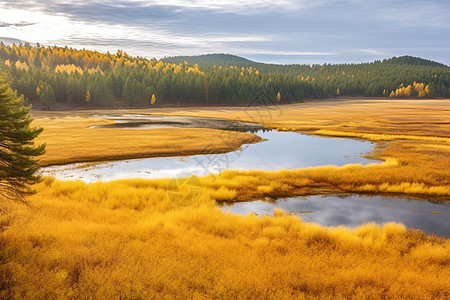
{"type": "Point", "coordinates": [283, 31]}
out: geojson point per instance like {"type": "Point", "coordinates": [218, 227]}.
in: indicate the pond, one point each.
{"type": "Point", "coordinates": [278, 150]}
{"type": "Point", "coordinates": [354, 210]}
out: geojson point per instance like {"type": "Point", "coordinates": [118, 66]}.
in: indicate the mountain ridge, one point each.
{"type": "Point", "coordinates": [413, 61]}
{"type": "Point", "coordinates": [225, 59]}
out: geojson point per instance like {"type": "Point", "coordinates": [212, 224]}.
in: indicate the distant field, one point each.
{"type": "Point", "coordinates": [126, 239]}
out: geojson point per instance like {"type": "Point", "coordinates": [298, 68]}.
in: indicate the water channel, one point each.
{"type": "Point", "coordinates": [278, 150]}
{"type": "Point", "coordinates": [354, 210]}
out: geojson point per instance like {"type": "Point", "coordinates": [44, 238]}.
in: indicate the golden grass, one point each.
{"type": "Point", "coordinates": [126, 240]}
{"type": "Point", "coordinates": [417, 132]}
{"type": "Point", "coordinates": [249, 185]}
{"type": "Point", "coordinates": [381, 137]}
{"type": "Point", "coordinates": [69, 139]}
{"type": "Point", "coordinates": [399, 117]}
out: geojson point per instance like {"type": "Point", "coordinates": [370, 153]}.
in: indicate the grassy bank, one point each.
{"type": "Point", "coordinates": [413, 137]}
{"type": "Point", "coordinates": [127, 240]}
{"type": "Point", "coordinates": [69, 139]}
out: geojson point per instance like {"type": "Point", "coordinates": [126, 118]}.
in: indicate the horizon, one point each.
{"type": "Point", "coordinates": [288, 32]}
{"type": "Point", "coordinates": [18, 42]}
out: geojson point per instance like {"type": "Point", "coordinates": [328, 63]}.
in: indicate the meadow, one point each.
{"type": "Point", "coordinates": [69, 139]}
{"type": "Point", "coordinates": [127, 240]}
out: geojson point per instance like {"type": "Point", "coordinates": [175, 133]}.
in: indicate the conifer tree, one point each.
{"type": "Point", "coordinates": [47, 96]}
{"type": "Point", "coordinates": [18, 164]}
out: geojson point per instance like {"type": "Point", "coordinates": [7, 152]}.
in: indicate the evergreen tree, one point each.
{"type": "Point", "coordinates": [212, 79]}
{"type": "Point", "coordinates": [18, 164]}
{"type": "Point", "coordinates": [47, 96]}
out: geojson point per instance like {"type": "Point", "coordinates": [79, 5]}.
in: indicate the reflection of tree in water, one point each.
{"type": "Point", "coordinates": [155, 121]}
{"type": "Point", "coordinates": [253, 129]}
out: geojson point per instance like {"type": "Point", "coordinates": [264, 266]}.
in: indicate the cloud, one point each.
{"type": "Point", "coordinates": [399, 14]}
{"type": "Point", "coordinates": [283, 53]}
{"type": "Point", "coordinates": [19, 24]}
{"type": "Point", "coordinates": [345, 30]}
{"type": "Point", "coordinates": [233, 6]}
{"type": "Point", "coordinates": [244, 7]}
{"type": "Point", "coordinates": [369, 51]}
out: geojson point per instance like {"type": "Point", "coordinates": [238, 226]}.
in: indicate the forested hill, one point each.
{"type": "Point", "coordinates": [219, 59]}
{"type": "Point", "coordinates": [413, 61]}
{"type": "Point", "coordinates": [56, 76]}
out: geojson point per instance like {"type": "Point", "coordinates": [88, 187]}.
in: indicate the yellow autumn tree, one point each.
{"type": "Point", "coordinates": [408, 91]}
{"type": "Point", "coordinates": [88, 96]}
{"type": "Point", "coordinates": [22, 65]}
{"type": "Point", "coordinates": [404, 92]}
{"type": "Point", "coordinates": [338, 92]}
{"type": "Point", "coordinates": [153, 100]}
{"type": "Point", "coordinates": [421, 90]}
{"type": "Point", "coordinates": [278, 97]}
{"type": "Point", "coordinates": [69, 69]}
{"type": "Point", "coordinates": [427, 90]}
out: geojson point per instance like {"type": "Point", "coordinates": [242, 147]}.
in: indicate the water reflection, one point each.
{"type": "Point", "coordinates": [280, 150]}
{"type": "Point", "coordinates": [136, 121]}
{"type": "Point", "coordinates": [354, 210]}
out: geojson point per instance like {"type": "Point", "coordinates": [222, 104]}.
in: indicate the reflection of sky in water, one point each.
{"type": "Point", "coordinates": [352, 211]}
{"type": "Point", "coordinates": [282, 150]}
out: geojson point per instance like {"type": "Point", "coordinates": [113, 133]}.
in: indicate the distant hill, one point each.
{"type": "Point", "coordinates": [211, 59]}
{"type": "Point", "coordinates": [10, 41]}
{"type": "Point", "coordinates": [412, 61]}
{"type": "Point", "coordinates": [62, 76]}
{"type": "Point", "coordinates": [225, 60]}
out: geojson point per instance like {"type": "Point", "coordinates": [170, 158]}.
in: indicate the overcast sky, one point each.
{"type": "Point", "coordinates": [285, 31]}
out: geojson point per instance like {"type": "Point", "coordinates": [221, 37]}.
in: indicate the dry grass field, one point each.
{"type": "Point", "coordinates": [69, 139]}
{"type": "Point", "coordinates": [126, 240]}
{"type": "Point", "coordinates": [412, 135]}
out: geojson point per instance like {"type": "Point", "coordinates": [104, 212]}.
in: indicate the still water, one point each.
{"type": "Point", "coordinates": [354, 210]}
{"type": "Point", "coordinates": [279, 150]}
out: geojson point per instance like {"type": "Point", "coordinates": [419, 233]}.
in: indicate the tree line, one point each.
{"type": "Point", "coordinates": [50, 76]}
